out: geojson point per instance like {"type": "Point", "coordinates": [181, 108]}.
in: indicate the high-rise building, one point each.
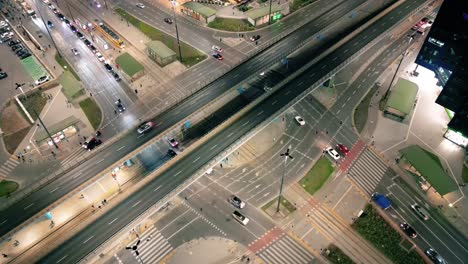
{"type": "Point", "coordinates": [445, 52]}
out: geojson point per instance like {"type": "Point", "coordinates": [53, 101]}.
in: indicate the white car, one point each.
{"type": "Point", "coordinates": [75, 51]}
{"type": "Point", "coordinates": [333, 153]}
{"type": "Point", "coordinates": [300, 120]}
{"type": "Point", "coordinates": [240, 218]}
{"type": "Point", "coordinates": [216, 48]}
{"type": "Point", "coordinates": [140, 5]}
{"type": "Point", "coordinates": [100, 57]}
{"type": "Point", "coordinates": [7, 34]}
{"type": "Point", "coordinates": [42, 80]}
{"type": "Point", "coordinates": [145, 127]}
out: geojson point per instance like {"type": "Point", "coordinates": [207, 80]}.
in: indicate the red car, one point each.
{"type": "Point", "coordinates": [343, 149]}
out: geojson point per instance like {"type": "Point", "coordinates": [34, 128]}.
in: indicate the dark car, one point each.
{"type": "Point", "coordinates": [60, 16]}
{"type": "Point", "coordinates": [342, 149]}
{"type": "Point", "coordinates": [171, 153]}
{"type": "Point", "coordinates": [55, 10]}
{"type": "Point", "coordinates": [3, 75]}
{"type": "Point", "coordinates": [17, 47]}
{"type": "Point", "coordinates": [87, 42]}
{"type": "Point", "coordinates": [73, 29]}
{"type": "Point", "coordinates": [92, 48]}
{"type": "Point", "coordinates": [91, 143]}
{"type": "Point", "coordinates": [116, 76]}
{"type": "Point", "coordinates": [254, 37]}
{"type": "Point", "coordinates": [120, 106]}
{"type": "Point", "coordinates": [434, 256]}
{"type": "Point", "coordinates": [408, 230]}
{"type": "Point", "coordinates": [21, 52]}
{"type": "Point", "coordinates": [236, 201]}
{"type": "Point", "coordinates": [50, 24]}
{"type": "Point", "coordinates": [168, 20]}
{"type": "Point", "coordinates": [173, 142]}
{"type": "Point", "coordinates": [217, 56]}
{"type": "Point", "coordinates": [67, 22]}
{"type": "Point", "coordinates": [79, 35]}
{"type": "Point", "coordinates": [24, 56]}
{"type": "Point", "coordinates": [13, 42]}
{"type": "Point", "coordinates": [108, 67]}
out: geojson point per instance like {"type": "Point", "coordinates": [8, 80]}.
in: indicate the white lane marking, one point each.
{"type": "Point", "coordinates": [323, 66]}
{"type": "Point", "coordinates": [217, 144]}
{"type": "Point", "coordinates": [100, 161]}
{"type": "Point", "coordinates": [300, 84]}
{"type": "Point", "coordinates": [274, 102]}
{"type": "Point", "coordinates": [230, 134]}
{"type": "Point", "coordinates": [58, 261]}
{"type": "Point", "coordinates": [178, 172]}
{"type": "Point", "coordinates": [110, 223]}
{"type": "Point", "coordinates": [120, 148]}
{"type": "Point", "coordinates": [259, 113]}
{"type": "Point", "coordinates": [245, 123]}
{"type": "Point", "coordinates": [3, 222]}
{"type": "Point", "coordinates": [140, 135]}
{"type": "Point", "coordinates": [196, 160]}
{"type": "Point", "coordinates": [346, 50]}
{"type": "Point", "coordinates": [287, 92]}
{"type": "Point", "coordinates": [157, 188]}
{"type": "Point", "coordinates": [78, 174]}
{"type": "Point", "coordinates": [54, 190]}
{"type": "Point", "coordinates": [349, 189]}
{"type": "Point", "coordinates": [136, 203]}
{"type": "Point", "coordinates": [84, 242]}
{"type": "Point", "coordinates": [28, 206]}
{"type": "Point", "coordinates": [196, 218]}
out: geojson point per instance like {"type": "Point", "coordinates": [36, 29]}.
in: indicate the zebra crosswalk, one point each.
{"type": "Point", "coordinates": [285, 250]}
{"type": "Point", "coordinates": [8, 166]}
{"type": "Point", "coordinates": [367, 170]}
{"type": "Point", "coordinates": [73, 155]}
{"type": "Point", "coordinates": [152, 248]}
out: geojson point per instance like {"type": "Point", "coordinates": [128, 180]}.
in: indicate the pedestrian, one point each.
{"type": "Point", "coordinates": [92, 206]}
{"type": "Point", "coordinates": [201, 209]}
{"type": "Point", "coordinates": [18, 157]}
{"type": "Point", "coordinates": [84, 138]}
{"type": "Point", "coordinates": [141, 85]}
{"type": "Point", "coordinates": [221, 165]}
{"type": "Point", "coordinates": [4, 255]}
{"type": "Point", "coordinates": [326, 132]}
{"type": "Point", "coordinates": [79, 143]}
{"type": "Point", "coordinates": [99, 207]}
{"type": "Point", "coordinates": [49, 46]}
{"type": "Point", "coordinates": [81, 196]}
{"type": "Point", "coordinates": [90, 95]}
{"type": "Point", "coordinates": [185, 198]}
{"type": "Point", "coordinates": [54, 67]}
{"type": "Point", "coordinates": [105, 201]}
{"type": "Point", "coordinates": [115, 111]}
{"type": "Point", "coordinates": [220, 40]}
{"type": "Point", "coordinates": [248, 260]}
{"type": "Point", "coordinates": [136, 91]}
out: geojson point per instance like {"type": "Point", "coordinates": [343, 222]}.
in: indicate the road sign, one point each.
{"type": "Point", "coordinates": [48, 215]}
{"type": "Point", "coordinates": [187, 124]}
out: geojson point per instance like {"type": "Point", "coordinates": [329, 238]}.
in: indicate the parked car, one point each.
{"type": "Point", "coordinates": [236, 201]}
{"type": "Point", "coordinates": [300, 120]}
{"type": "Point", "coordinates": [171, 153]}
{"type": "Point", "coordinates": [80, 35]}
{"type": "Point", "coordinates": [140, 5]}
{"type": "Point", "coordinates": [216, 49]}
{"type": "Point", "coordinates": [100, 57]}
{"type": "Point", "coordinates": [13, 42]}
{"type": "Point", "coordinates": [116, 76]}
{"type": "Point", "coordinates": [173, 143]}
{"type": "Point", "coordinates": [16, 47]}
{"type": "Point", "coordinates": [3, 75]}
{"type": "Point", "coordinates": [145, 127]}
{"type": "Point", "coordinates": [42, 80]}
{"type": "Point", "coordinates": [91, 143]}
{"type": "Point", "coordinates": [73, 29]}
{"type": "Point", "coordinates": [60, 16]}
{"type": "Point", "coordinates": [217, 56]}
{"type": "Point", "coordinates": [24, 56]}
{"type": "Point", "coordinates": [108, 67]}
{"type": "Point", "coordinates": [408, 230]}
{"type": "Point", "coordinates": [168, 20]}
{"type": "Point", "coordinates": [87, 42]}
{"type": "Point", "coordinates": [254, 38]}
{"type": "Point", "coordinates": [92, 48]}
{"type": "Point", "coordinates": [330, 151]}
{"type": "Point", "coordinates": [67, 22]}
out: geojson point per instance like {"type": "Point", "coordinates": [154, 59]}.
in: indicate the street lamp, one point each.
{"type": "Point", "coordinates": [286, 156]}
{"type": "Point", "coordinates": [69, 11]}
{"type": "Point", "coordinates": [19, 86]}
{"type": "Point", "coordinates": [399, 64]}
{"type": "Point", "coordinates": [134, 248]}
{"type": "Point", "coordinates": [269, 14]}
{"type": "Point", "coordinates": [174, 3]}
{"type": "Point", "coordinates": [47, 29]}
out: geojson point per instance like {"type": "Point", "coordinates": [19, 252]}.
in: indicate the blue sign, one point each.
{"type": "Point", "coordinates": [48, 215]}
{"type": "Point", "coordinates": [284, 60]}
{"type": "Point", "coordinates": [319, 36]}
{"type": "Point", "coordinates": [187, 124]}
{"type": "Point", "coordinates": [240, 90]}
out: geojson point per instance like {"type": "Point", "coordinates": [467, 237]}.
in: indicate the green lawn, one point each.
{"type": "Point", "coordinates": [128, 64]}
{"type": "Point", "coordinates": [231, 24]}
{"type": "Point", "coordinates": [465, 174]}
{"type": "Point", "coordinates": [361, 111]}
{"type": "Point", "coordinates": [34, 101]}
{"type": "Point", "coordinates": [8, 187]}
{"type": "Point", "coordinates": [92, 112]}
{"type": "Point", "coordinates": [317, 176]}
{"type": "Point", "coordinates": [284, 202]}
{"type": "Point", "coordinates": [335, 255]}
{"type": "Point", "coordinates": [379, 233]}
{"type": "Point", "coordinates": [64, 63]}
{"type": "Point", "coordinates": [297, 4]}
{"type": "Point", "coordinates": [190, 55]}
{"type": "Point", "coordinates": [71, 87]}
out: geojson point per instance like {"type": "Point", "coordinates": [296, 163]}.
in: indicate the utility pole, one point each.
{"type": "Point", "coordinates": [47, 29]}
{"type": "Point", "coordinates": [177, 31]}
{"type": "Point", "coordinates": [269, 14]}
{"type": "Point", "coordinates": [398, 67]}
{"type": "Point", "coordinates": [286, 156]}
{"type": "Point", "coordinates": [69, 11]}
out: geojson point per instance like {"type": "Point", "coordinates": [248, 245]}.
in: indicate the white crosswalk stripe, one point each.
{"type": "Point", "coordinates": [367, 170]}
{"type": "Point", "coordinates": [8, 166]}
{"type": "Point", "coordinates": [73, 155]}
{"type": "Point", "coordinates": [153, 246]}
{"type": "Point", "coordinates": [285, 251]}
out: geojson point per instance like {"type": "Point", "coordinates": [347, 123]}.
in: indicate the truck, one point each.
{"type": "Point", "coordinates": [381, 200]}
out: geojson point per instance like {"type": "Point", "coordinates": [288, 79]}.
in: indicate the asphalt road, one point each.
{"type": "Point", "coordinates": [31, 205]}
{"type": "Point", "coordinates": [115, 219]}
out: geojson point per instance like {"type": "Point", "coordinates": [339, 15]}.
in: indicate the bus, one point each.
{"type": "Point", "coordinates": [28, 9]}
{"type": "Point", "coordinates": [109, 34]}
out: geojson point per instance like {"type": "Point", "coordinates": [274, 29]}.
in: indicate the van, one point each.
{"type": "Point", "coordinates": [240, 218]}
{"type": "Point", "coordinates": [420, 212]}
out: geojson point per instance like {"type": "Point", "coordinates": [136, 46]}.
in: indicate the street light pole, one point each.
{"type": "Point", "coordinates": [399, 64]}
{"type": "Point", "coordinates": [47, 29]}
{"type": "Point", "coordinates": [105, 3]}
{"type": "Point", "coordinates": [269, 14]}
{"type": "Point", "coordinates": [286, 156]}
{"type": "Point", "coordinates": [176, 29]}
{"type": "Point", "coordinates": [69, 11]}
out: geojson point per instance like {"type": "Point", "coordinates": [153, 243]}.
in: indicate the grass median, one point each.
{"type": "Point", "coordinates": [317, 176]}
{"type": "Point", "coordinates": [8, 187]}
{"type": "Point", "coordinates": [65, 65]}
{"type": "Point", "coordinates": [378, 232]}
{"type": "Point", "coordinates": [231, 24]}
{"type": "Point", "coordinates": [190, 55]}
{"type": "Point", "coordinates": [92, 112]}
{"type": "Point", "coordinates": [336, 255]}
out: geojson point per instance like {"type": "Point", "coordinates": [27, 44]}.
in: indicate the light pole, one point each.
{"type": "Point", "coordinates": [269, 14]}
{"type": "Point", "coordinates": [134, 248]}
{"type": "Point", "coordinates": [47, 29]}
{"type": "Point", "coordinates": [176, 30]}
{"type": "Point", "coordinates": [399, 64]}
{"type": "Point", "coordinates": [18, 86]}
{"type": "Point", "coordinates": [69, 11]}
{"type": "Point", "coordinates": [286, 156]}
